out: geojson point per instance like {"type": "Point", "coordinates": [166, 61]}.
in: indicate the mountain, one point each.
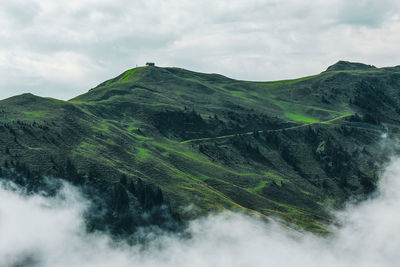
{"type": "Point", "coordinates": [168, 137]}
{"type": "Point", "coordinates": [346, 65]}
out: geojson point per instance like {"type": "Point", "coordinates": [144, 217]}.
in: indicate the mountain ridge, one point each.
{"type": "Point", "coordinates": [285, 148]}
{"type": "Point", "coordinates": [347, 65]}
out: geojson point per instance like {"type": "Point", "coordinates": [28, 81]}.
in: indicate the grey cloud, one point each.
{"type": "Point", "coordinates": [49, 231]}
{"type": "Point", "coordinates": [20, 12]}
{"type": "Point", "coordinates": [254, 39]}
{"type": "Point", "coordinates": [370, 13]}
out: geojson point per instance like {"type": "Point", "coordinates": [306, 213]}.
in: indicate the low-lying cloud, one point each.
{"type": "Point", "coordinates": [45, 231]}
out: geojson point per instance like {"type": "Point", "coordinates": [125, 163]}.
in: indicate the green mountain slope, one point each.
{"type": "Point", "coordinates": [287, 148]}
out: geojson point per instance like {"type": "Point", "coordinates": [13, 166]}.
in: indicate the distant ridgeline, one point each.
{"type": "Point", "coordinates": [152, 141]}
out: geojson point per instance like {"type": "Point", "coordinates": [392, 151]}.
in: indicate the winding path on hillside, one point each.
{"type": "Point", "coordinates": [266, 131]}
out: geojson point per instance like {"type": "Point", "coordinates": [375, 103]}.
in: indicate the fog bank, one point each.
{"type": "Point", "coordinates": [49, 231]}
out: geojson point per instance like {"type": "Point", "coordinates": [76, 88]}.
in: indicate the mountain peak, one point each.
{"type": "Point", "coordinates": [347, 65]}
{"type": "Point", "coordinates": [26, 97]}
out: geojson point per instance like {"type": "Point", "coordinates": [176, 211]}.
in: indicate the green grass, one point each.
{"type": "Point", "coordinates": [291, 81]}
{"type": "Point", "coordinates": [142, 154]}
{"type": "Point", "coordinates": [101, 128]}
{"type": "Point", "coordinates": [259, 186]}
{"type": "Point", "coordinates": [35, 113]}
{"type": "Point", "coordinates": [300, 117]}
{"type": "Point", "coordinates": [272, 177]}
{"type": "Point", "coordinates": [275, 177]}
{"type": "Point", "coordinates": [301, 113]}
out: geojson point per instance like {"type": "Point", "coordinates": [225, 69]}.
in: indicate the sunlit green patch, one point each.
{"type": "Point", "coordinates": [259, 186]}
{"type": "Point", "coordinates": [132, 128]}
{"type": "Point", "coordinates": [275, 177]}
{"type": "Point", "coordinates": [35, 113]}
{"type": "Point", "coordinates": [101, 127]}
{"type": "Point", "coordinates": [142, 154]}
{"type": "Point", "coordinates": [270, 177]}
{"type": "Point", "coordinates": [300, 117]}
{"type": "Point", "coordinates": [132, 74]}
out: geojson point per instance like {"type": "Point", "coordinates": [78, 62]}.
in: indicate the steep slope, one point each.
{"type": "Point", "coordinates": [286, 148]}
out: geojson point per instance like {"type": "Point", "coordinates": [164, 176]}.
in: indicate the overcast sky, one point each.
{"type": "Point", "coordinates": [63, 48]}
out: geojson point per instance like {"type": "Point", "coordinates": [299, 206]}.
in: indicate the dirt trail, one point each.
{"type": "Point", "coordinates": [266, 131]}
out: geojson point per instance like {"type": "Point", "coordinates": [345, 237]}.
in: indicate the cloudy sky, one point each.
{"type": "Point", "coordinates": [63, 48]}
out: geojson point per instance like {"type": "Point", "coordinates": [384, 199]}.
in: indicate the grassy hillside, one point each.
{"type": "Point", "coordinates": [286, 148]}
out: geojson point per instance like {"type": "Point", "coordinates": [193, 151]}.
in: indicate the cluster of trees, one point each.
{"type": "Point", "coordinates": [247, 149]}
{"type": "Point", "coordinates": [147, 195]}
{"type": "Point", "coordinates": [247, 121]}
{"type": "Point", "coordinates": [41, 125]}
{"type": "Point", "coordinates": [119, 207]}
{"type": "Point", "coordinates": [32, 181]}
{"type": "Point", "coordinates": [366, 118]}
{"type": "Point", "coordinates": [188, 124]}
{"type": "Point", "coordinates": [21, 130]}
{"type": "Point", "coordinates": [181, 124]}
{"type": "Point", "coordinates": [370, 96]}
{"type": "Point", "coordinates": [337, 163]}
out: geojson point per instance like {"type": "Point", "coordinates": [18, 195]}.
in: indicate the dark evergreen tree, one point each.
{"type": "Point", "coordinates": [124, 180]}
